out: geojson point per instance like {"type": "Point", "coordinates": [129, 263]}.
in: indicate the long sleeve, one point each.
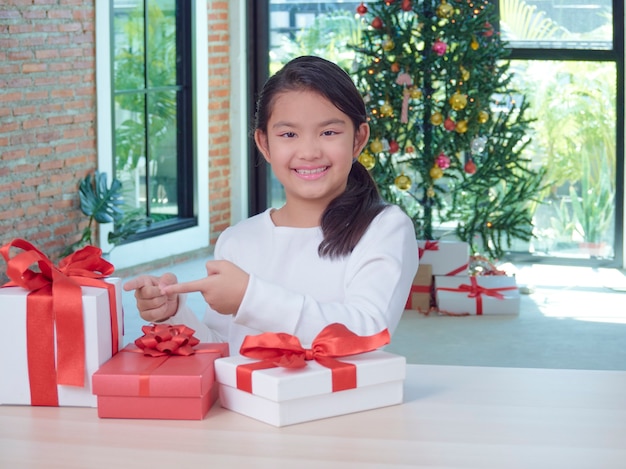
{"type": "Point", "coordinates": [367, 291]}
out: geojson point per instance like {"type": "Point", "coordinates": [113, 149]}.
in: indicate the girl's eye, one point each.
{"type": "Point", "coordinates": [329, 132]}
{"type": "Point", "coordinates": [288, 134]}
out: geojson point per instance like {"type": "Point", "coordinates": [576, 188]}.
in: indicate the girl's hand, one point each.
{"type": "Point", "coordinates": [153, 304]}
{"type": "Point", "coordinates": [222, 289]}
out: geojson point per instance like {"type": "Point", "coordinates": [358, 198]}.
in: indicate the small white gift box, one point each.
{"type": "Point", "coordinates": [98, 341]}
{"type": "Point", "coordinates": [477, 295]}
{"type": "Point", "coordinates": [286, 396]}
{"type": "Point", "coordinates": [446, 257]}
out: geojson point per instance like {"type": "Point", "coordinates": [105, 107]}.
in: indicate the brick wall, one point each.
{"type": "Point", "coordinates": [47, 119]}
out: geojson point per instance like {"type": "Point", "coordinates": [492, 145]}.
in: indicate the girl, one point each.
{"type": "Point", "coordinates": [335, 252]}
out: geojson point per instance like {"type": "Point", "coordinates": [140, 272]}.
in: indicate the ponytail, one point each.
{"type": "Point", "coordinates": [347, 217]}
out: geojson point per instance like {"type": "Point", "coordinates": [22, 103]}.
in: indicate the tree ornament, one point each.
{"type": "Point", "coordinates": [367, 160]}
{"type": "Point", "coordinates": [461, 126]}
{"type": "Point", "coordinates": [409, 148]}
{"type": "Point", "coordinates": [430, 192]}
{"type": "Point", "coordinates": [483, 117]}
{"type": "Point", "coordinates": [470, 167]}
{"type": "Point", "coordinates": [449, 124]}
{"type": "Point", "coordinates": [376, 146]}
{"type": "Point", "coordinates": [388, 45]}
{"type": "Point", "coordinates": [395, 67]}
{"type": "Point", "coordinates": [377, 23]}
{"type": "Point", "coordinates": [416, 93]}
{"type": "Point", "coordinates": [458, 101]}
{"type": "Point", "coordinates": [394, 147]}
{"type": "Point", "coordinates": [406, 5]}
{"type": "Point", "coordinates": [386, 109]}
{"type": "Point", "coordinates": [436, 118]}
{"type": "Point", "coordinates": [439, 47]}
{"type": "Point", "coordinates": [403, 182]}
{"type": "Point", "coordinates": [465, 74]}
{"type": "Point", "coordinates": [443, 161]}
{"type": "Point", "coordinates": [405, 80]}
{"type": "Point", "coordinates": [361, 9]}
{"type": "Point", "coordinates": [444, 10]}
{"type": "Point", "coordinates": [474, 44]}
{"type": "Point", "coordinates": [436, 172]}
{"type": "Point", "coordinates": [478, 144]}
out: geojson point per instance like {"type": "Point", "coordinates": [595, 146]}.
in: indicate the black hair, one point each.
{"type": "Point", "coordinates": [348, 216]}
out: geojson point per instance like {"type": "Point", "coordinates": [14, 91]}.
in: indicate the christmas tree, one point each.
{"type": "Point", "coordinates": [448, 132]}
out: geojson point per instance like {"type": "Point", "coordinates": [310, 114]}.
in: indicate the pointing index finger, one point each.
{"type": "Point", "coordinates": [184, 287]}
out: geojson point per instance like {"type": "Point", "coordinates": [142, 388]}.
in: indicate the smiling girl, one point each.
{"type": "Point", "coordinates": [335, 252]}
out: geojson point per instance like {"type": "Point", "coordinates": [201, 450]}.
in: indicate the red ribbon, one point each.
{"type": "Point", "coordinates": [428, 246]}
{"type": "Point", "coordinates": [476, 291]}
{"type": "Point", "coordinates": [54, 305]}
{"type": "Point", "coordinates": [165, 339]}
{"type": "Point", "coordinates": [285, 350]}
{"type": "Point", "coordinates": [458, 270]}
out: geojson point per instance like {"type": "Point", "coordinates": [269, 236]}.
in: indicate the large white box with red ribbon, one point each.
{"type": "Point", "coordinates": [65, 322]}
{"type": "Point", "coordinates": [323, 387]}
{"type": "Point", "coordinates": [445, 257]}
{"type": "Point", "coordinates": [477, 295]}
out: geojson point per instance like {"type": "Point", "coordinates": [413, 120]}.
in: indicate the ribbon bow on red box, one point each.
{"type": "Point", "coordinates": [285, 350]}
{"type": "Point", "coordinates": [165, 339]}
{"type": "Point", "coordinates": [476, 291]}
{"type": "Point", "coordinates": [54, 307]}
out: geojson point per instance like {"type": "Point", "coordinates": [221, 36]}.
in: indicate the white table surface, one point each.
{"type": "Point", "coordinates": [453, 417]}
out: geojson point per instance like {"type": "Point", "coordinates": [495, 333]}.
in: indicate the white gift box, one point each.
{"type": "Point", "coordinates": [286, 396]}
{"type": "Point", "coordinates": [15, 388]}
{"type": "Point", "coordinates": [446, 257]}
{"type": "Point", "coordinates": [465, 299]}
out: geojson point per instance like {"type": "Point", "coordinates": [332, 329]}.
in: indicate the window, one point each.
{"type": "Point", "coordinates": [568, 61]}
{"type": "Point", "coordinates": [152, 110]}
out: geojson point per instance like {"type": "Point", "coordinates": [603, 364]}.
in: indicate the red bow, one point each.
{"type": "Point", "coordinates": [428, 246]}
{"type": "Point", "coordinates": [285, 350]}
{"type": "Point", "coordinates": [476, 291]}
{"type": "Point", "coordinates": [165, 339]}
{"type": "Point", "coordinates": [54, 307]}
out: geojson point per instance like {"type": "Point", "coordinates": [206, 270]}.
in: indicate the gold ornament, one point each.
{"type": "Point", "coordinates": [465, 74]}
{"type": "Point", "coordinates": [483, 117]}
{"type": "Point", "coordinates": [474, 44]}
{"type": "Point", "coordinates": [388, 45]}
{"type": "Point", "coordinates": [461, 126]}
{"type": "Point", "coordinates": [403, 182]}
{"type": "Point", "coordinates": [416, 93]}
{"type": "Point", "coordinates": [367, 160]}
{"type": "Point", "coordinates": [436, 118]}
{"type": "Point", "coordinates": [386, 109]}
{"type": "Point", "coordinates": [376, 146]}
{"type": "Point", "coordinates": [436, 172]}
{"type": "Point", "coordinates": [458, 101]}
{"type": "Point", "coordinates": [430, 192]}
{"type": "Point", "coordinates": [444, 10]}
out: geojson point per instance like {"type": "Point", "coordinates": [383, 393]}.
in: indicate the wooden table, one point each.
{"type": "Point", "coordinates": [453, 417]}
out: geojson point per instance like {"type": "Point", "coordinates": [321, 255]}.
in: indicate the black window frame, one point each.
{"type": "Point", "coordinates": [185, 161]}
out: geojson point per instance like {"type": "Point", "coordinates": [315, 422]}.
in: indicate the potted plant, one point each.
{"type": "Point", "coordinates": [105, 204]}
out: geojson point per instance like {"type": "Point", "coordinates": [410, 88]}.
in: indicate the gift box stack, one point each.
{"type": "Point", "coordinates": [453, 289]}
{"type": "Point", "coordinates": [65, 322]}
{"type": "Point", "coordinates": [65, 350]}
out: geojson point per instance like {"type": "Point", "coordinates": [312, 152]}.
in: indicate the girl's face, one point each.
{"type": "Point", "coordinates": [310, 145]}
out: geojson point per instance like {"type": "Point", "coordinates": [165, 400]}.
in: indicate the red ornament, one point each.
{"type": "Point", "coordinates": [470, 167]}
{"type": "Point", "coordinates": [406, 5]}
{"type": "Point", "coordinates": [377, 23]}
{"type": "Point", "coordinates": [361, 9]}
{"type": "Point", "coordinates": [393, 146]}
{"type": "Point", "coordinates": [443, 161]}
{"type": "Point", "coordinates": [449, 124]}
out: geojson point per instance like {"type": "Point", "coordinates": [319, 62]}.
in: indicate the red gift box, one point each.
{"type": "Point", "coordinates": [136, 385]}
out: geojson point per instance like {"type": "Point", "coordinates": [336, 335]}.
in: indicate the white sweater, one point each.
{"type": "Point", "coordinates": [293, 290]}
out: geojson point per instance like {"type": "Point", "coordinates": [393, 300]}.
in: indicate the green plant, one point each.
{"type": "Point", "coordinates": [593, 207]}
{"type": "Point", "coordinates": [105, 204]}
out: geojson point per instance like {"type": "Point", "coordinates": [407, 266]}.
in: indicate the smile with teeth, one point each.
{"type": "Point", "coordinates": [311, 171]}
